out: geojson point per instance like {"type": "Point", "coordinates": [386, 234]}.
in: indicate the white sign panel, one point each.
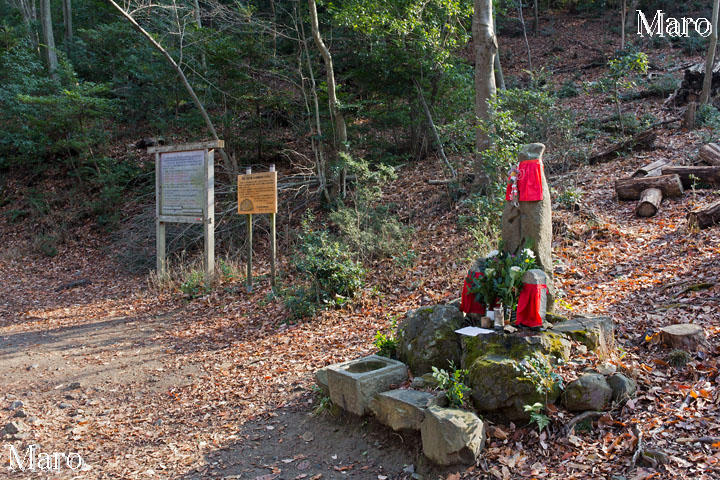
{"type": "Point", "coordinates": [182, 180]}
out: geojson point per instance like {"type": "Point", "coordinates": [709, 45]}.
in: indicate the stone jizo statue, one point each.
{"type": "Point", "coordinates": [527, 216]}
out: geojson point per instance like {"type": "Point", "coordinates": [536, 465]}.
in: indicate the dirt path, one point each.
{"type": "Point", "coordinates": [123, 378]}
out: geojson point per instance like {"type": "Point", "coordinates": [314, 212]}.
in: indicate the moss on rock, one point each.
{"type": "Point", "coordinates": [498, 387]}
{"type": "Point", "coordinates": [514, 346]}
{"type": "Point", "coordinates": [427, 338]}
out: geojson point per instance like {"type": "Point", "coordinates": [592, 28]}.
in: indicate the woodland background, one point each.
{"type": "Point", "coordinates": [178, 378]}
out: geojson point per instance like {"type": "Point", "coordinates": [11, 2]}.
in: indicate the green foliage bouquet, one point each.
{"type": "Point", "coordinates": [502, 278]}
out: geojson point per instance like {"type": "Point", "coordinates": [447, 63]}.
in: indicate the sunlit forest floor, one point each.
{"type": "Point", "coordinates": [146, 383]}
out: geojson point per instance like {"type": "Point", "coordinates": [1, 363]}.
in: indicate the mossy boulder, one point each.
{"type": "Point", "coordinates": [590, 391]}
{"type": "Point", "coordinates": [515, 346]}
{"type": "Point", "coordinates": [427, 338]}
{"type": "Point", "coordinates": [497, 384]}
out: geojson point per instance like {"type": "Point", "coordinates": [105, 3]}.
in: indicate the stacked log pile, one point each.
{"type": "Point", "coordinates": [691, 85]}
{"type": "Point", "coordinates": [651, 183]}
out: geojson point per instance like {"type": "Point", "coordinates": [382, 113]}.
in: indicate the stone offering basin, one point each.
{"type": "Point", "coordinates": [355, 383]}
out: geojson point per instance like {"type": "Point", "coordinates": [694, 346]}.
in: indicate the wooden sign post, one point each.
{"type": "Point", "coordinates": [257, 193]}
{"type": "Point", "coordinates": [185, 193]}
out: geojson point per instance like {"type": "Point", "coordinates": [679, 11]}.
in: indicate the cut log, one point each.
{"type": "Point", "coordinates": [649, 204]}
{"type": "Point", "coordinates": [710, 154]}
{"type": "Point", "coordinates": [651, 169]}
{"type": "Point", "coordinates": [704, 217]}
{"type": "Point", "coordinates": [632, 188]}
{"type": "Point", "coordinates": [640, 140]}
{"type": "Point", "coordinates": [704, 175]}
{"type": "Point", "coordinates": [684, 336]}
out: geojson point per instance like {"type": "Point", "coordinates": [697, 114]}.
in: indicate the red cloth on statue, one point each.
{"type": "Point", "coordinates": [528, 309]}
{"type": "Point", "coordinates": [529, 181]}
{"type": "Point", "coordinates": [468, 301]}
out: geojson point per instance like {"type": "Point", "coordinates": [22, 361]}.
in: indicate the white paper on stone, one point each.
{"type": "Point", "coordinates": [474, 331]}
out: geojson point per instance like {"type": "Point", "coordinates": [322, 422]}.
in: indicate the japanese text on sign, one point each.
{"type": "Point", "coordinates": [257, 193]}
{"type": "Point", "coordinates": [182, 176]}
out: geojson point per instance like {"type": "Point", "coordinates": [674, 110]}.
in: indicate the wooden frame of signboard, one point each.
{"type": "Point", "coordinates": [185, 193]}
{"type": "Point", "coordinates": [257, 194]}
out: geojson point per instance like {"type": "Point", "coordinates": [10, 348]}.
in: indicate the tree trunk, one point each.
{"type": "Point", "coordinates": [705, 216]}
{"type": "Point", "coordinates": [710, 154]}
{"type": "Point", "coordinates": [499, 77]}
{"type": "Point", "coordinates": [198, 22]}
{"type": "Point", "coordinates": [630, 19]}
{"type": "Point", "coordinates": [710, 57]}
{"type": "Point", "coordinates": [632, 188]}
{"type": "Point", "coordinates": [537, 17]}
{"type": "Point", "coordinates": [524, 30]}
{"type": "Point", "coordinates": [702, 174]}
{"type": "Point", "coordinates": [29, 14]}
{"type": "Point", "coordinates": [623, 12]}
{"type": "Point", "coordinates": [431, 124]}
{"type": "Point", "coordinates": [315, 142]}
{"type": "Point", "coordinates": [67, 20]}
{"type": "Point", "coordinates": [485, 51]}
{"type": "Point", "coordinates": [49, 39]}
{"type": "Point", "coordinates": [649, 204]}
{"type": "Point", "coordinates": [230, 163]}
{"type": "Point", "coordinates": [335, 111]}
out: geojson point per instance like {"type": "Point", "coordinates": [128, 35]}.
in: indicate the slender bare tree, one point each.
{"type": "Point", "coordinates": [485, 51]}
{"type": "Point", "coordinates": [710, 58]}
{"type": "Point", "coordinates": [48, 38]}
{"type": "Point", "coordinates": [67, 20]}
{"type": "Point", "coordinates": [230, 163]}
{"type": "Point", "coordinates": [335, 111]}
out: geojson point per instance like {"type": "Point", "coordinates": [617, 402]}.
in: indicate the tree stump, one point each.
{"type": "Point", "coordinates": [684, 336]}
{"type": "Point", "coordinates": [705, 216]}
{"type": "Point", "coordinates": [649, 204]}
{"type": "Point", "coordinates": [689, 119]}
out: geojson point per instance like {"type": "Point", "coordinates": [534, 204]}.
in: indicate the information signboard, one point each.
{"type": "Point", "coordinates": [257, 193]}
{"type": "Point", "coordinates": [184, 193]}
{"type": "Point", "coordinates": [182, 183]}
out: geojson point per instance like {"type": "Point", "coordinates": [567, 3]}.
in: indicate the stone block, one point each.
{"type": "Point", "coordinates": [355, 383]}
{"type": "Point", "coordinates": [404, 409]}
{"type": "Point", "coordinates": [596, 333]}
{"type": "Point", "coordinates": [321, 380]}
{"type": "Point", "coordinates": [451, 436]}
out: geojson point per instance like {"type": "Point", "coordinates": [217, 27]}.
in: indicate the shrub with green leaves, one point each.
{"type": "Point", "coordinates": [621, 75]}
{"type": "Point", "coordinates": [539, 370]}
{"type": "Point", "coordinates": [365, 223]}
{"type": "Point", "coordinates": [453, 384]}
{"type": "Point", "coordinates": [193, 284]}
{"type": "Point", "coordinates": [333, 276]}
{"type": "Point", "coordinates": [537, 416]}
{"type": "Point", "coordinates": [708, 116]}
{"type": "Point", "coordinates": [387, 344]}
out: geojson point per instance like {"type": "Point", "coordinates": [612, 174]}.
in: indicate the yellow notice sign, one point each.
{"type": "Point", "coordinates": [257, 193]}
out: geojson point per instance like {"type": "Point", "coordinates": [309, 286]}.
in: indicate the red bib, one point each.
{"type": "Point", "coordinates": [529, 181]}
{"type": "Point", "coordinates": [468, 301]}
{"type": "Point", "coordinates": [528, 309]}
